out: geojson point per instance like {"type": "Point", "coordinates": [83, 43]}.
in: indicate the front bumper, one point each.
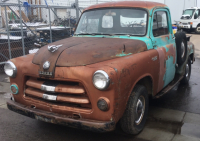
{"type": "Point", "coordinates": [185, 26]}
{"type": "Point", "coordinates": [95, 126]}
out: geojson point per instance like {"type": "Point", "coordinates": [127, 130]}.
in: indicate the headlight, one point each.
{"type": "Point", "coordinates": [101, 80]}
{"type": "Point", "coordinates": [10, 69]}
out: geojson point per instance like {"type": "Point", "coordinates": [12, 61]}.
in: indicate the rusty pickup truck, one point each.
{"type": "Point", "coordinates": [121, 54]}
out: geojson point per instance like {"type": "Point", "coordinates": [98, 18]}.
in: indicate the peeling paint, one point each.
{"type": "Point", "coordinates": [123, 54]}
{"type": "Point", "coordinates": [115, 70]}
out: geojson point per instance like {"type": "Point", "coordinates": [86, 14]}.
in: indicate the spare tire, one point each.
{"type": "Point", "coordinates": [181, 45]}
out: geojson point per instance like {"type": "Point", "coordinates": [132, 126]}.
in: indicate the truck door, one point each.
{"type": "Point", "coordinates": [196, 21]}
{"type": "Point", "coordinates": [164, 42]}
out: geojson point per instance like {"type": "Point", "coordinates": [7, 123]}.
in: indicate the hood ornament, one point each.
{"type": "Point", "coordinates": [53, 48]}
{"type": "Point", "coordinates": [46, 65]}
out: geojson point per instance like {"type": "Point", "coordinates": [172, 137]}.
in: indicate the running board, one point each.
{"type": "Point", "coordinates": [171, 85]}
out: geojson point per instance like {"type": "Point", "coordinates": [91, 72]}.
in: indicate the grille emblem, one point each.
{"type": "Point", "coordinates": [53, 48]}
{"type": "Point", "coordinates": [46, 65]}
{"type": "Point", "coordinates": [49, 97]}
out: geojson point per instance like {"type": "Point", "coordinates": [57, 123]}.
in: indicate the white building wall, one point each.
{"type": "Point", "coordinates": [176, 6]}
{"type": "Point", "coordinates": [198, 3]}
{"type": "Point", "coordinates": [175, 9]}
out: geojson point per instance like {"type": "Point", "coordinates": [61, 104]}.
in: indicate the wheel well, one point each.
{"type": "Point", "coordinates": [147, 82]}
{"type": "Point", "coordinates": [198, 25]}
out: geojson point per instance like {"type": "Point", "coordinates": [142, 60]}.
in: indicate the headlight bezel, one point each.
{"type": "Point", "coordinates": [105, 75]}
{"type": "Point", "coordinates": [14, 68]}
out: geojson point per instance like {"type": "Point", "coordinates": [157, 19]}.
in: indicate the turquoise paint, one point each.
{"type": "Point", "coordinates": [159, 42]}
{"type": "Point", "coordinates": [17, 90]}
{"type": "Point", "coordinates": [169, 76]}
{"type": "Point", "coordinates": [123, 54]}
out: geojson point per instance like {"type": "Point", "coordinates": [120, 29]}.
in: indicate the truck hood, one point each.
{"type": "Point", "coordinates": [185, 17]}
{"type": "Point", "coordinates": [81, 51]}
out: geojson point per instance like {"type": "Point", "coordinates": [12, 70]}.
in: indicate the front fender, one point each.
{"type": "Point", "coordinates": [129, 70]}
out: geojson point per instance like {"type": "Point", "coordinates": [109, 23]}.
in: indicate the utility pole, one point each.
{"type": "Point", "coordinates": [77, 10]}
{"type": "Point", "coordinates": [22, 27]}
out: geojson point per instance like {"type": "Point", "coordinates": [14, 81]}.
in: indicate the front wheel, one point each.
{"type": "Point", "coordinates": [197, 30]}
{"type": "Point", "coordinates": [187, 74]}
{"type": "Point", "coordinates": [135, 115]}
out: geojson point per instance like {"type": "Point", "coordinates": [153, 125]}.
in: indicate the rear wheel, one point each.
{"type": "Point", "coordinates": [187, 74]}
{"type": "Point", "coordinates": [135, 115]}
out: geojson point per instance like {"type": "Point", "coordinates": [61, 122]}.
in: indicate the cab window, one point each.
{"type": "Point", "coordinates": [160, 23]}
{"type": "Point", "coordinates": [196, 14]}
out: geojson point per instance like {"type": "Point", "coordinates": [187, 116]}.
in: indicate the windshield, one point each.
{"type": "Point", "coordinates": [189, 12]}
{"type": "Point", "coordinates": [113, 21]}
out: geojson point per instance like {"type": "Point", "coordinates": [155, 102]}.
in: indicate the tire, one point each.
{"type": "Point", "coordinates": [187, 74]}
{"type": "Point", "coordinates": [181, 44]}
{"type": "Point", "coordinates": [130, 122]}
{"type": "Point", "coordinates": [197, 30]}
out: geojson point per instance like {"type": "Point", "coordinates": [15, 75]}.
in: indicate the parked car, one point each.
{"type": "Point", "coordinates": [190, 20]}
{"type": "Point", "coordinates": [105, 73]}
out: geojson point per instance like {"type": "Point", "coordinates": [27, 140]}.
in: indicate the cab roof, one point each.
{"type": "Point", "coordinates": [135, 4]}
{"type": "Point", "coordinates": [193, 8]}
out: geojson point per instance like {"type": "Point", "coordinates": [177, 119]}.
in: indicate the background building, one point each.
{"type": "Point", "coordinates": [176, 6]}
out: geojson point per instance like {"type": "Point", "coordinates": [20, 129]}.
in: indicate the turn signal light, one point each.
{"type": "Point", "coordinates": [103, 104]}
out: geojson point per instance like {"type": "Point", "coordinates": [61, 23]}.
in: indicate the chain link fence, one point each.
{"type": "Point", "coordinates": [25, 28]}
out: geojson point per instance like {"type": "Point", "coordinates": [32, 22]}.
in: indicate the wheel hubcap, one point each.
{"type": "Point", "coordinates": [198, 29]}
{"type": "Point", "coordinates": [187, 70]}
{"type": "Point", "coordinates": [140, 108]}
{"type": "Point", "coordinates": [182, 50]}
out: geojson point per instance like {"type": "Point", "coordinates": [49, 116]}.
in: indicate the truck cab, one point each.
{"type": "Point", "coordinates": [190, 20]}
{"type": "Point", "coordinates": [121, 54]}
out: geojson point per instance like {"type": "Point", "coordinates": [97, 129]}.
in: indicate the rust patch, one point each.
{"type": "Point", "coordinates": [44, 55]}
{"type": "Point", "coordinates": [94, 126]}
{"type": "Point", "coordinates": [84, 51]}
{"type": "Point", "coordinates": [163, 57]}
{"type": "Point", "coordinates": [171, 52]}
{"type": "Point", "coordinates": [162, 67]}
{"type": "Point", "coordinates": [99, 50]}
{"type": "Point", "coordinates": [140, 4]}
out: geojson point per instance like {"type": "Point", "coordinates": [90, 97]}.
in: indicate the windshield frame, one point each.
{"type": "Point", "coordinates": [137, 8]}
